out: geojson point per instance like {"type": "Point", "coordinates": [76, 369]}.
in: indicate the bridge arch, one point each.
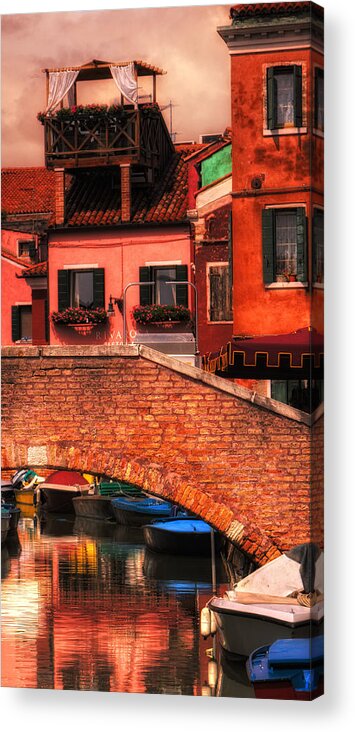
{"type": "Point", "coordinates": [238, 460]}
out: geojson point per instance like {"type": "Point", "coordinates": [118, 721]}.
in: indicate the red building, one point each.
{"type": "Point", "coordinates": [210, 178]}
{"type": "Point", "coordinates": [276, 52]}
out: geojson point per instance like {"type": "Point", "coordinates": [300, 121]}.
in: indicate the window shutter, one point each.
{"type": "Point", "coordinates": [301, 245]}
{"type": "Point", "coordinates": [268, 245]}
{"type": "Point", "coordinates": [181, 290]}
{"type": "Point", "coordinates": [145, 291]}
{"type": "Point", "coordinates": [63, 289]}
{"type": "Point", "coordinates": [15, 323]}
{"type": "Point", "coordinates": [271, 100]}
{"type": "Point", "coordinates": [314, 248]}
{"type": "Point", "coordinates": [32, 249]}
{"type": "Point", "coordinates": [297, 80]}
{"type": "Point", "coordinates": [99, 287]}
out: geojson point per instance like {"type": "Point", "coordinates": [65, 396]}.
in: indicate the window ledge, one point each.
{"type": "Point", "coordinates": [219, 322]}
{"type": "Point", "coordinates": [318, 285]}
{"type": "Point", "coordinates": [285, 131]}
{"type": "Point", "coordinates": [287, 286]}
{"type": "Point", "coordinates": [318, 133]}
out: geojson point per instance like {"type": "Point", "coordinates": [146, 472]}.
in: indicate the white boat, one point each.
{"type": "Point", "coordinates": [267, 606]}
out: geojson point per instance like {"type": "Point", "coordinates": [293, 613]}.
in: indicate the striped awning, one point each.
{"type": "Point", "coordinates": [297, 355]}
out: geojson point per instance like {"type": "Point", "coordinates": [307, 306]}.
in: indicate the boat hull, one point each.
{"type": "Point", "coordinates": [241, 631]}
{"type": "Point", "coordinates": [5, 526]}
{"type": "Point", "coordinates": [60, 500]}
{"type": "Point", "coordinates": [135, 518]}
{"type": "Point", "coordinates": [93, 507]}
{"type": "Point", "coordinates": [15, 514]}
{"type": "Point", "coordinates": [285, 690]}
{"type": "Point", "coordinates": [25, 497]}
{"type": "Point", "coordinates": [163, 540]}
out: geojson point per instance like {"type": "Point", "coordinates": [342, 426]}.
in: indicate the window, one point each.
{"type": "Point", "coordinates": [301, 394]}
{"type": "Point", "coordinates": [319, 99]}
{"type": "Point", "coordinates": [26, 248]}
{"type": "Point", "coordinates": [318, 245]}
{"type": "Point", "coordinates": [284, 236]}
{"type": "Point", "coordinates": [81, 288]}
{"type": "Point", "coordinates": [161, 293]}
{"type": "Point", "coordinates": [21, 322]}
{"type": "Point", "coordinates": [284, 97]}
{"type": "Point", "coordinates": [220, 293]}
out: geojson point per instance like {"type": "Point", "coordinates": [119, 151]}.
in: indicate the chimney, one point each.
{"type": "Point", "coordinates": [125, 192]}
{"type": "Point", "coordinates": [59, 195]}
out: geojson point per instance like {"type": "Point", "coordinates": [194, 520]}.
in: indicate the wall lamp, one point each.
{"type": "Point", "coordinates": [114, 301]}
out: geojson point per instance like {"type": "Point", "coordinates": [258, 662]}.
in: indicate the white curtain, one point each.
{"type": "Point", "coordinates": [126, 81]}
{"type": "Point", "coordinates": [60, 82]}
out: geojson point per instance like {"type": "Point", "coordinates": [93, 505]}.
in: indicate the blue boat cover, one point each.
{"type": "Point", "coordinates": [296, 651]}
{"type": "Point", "coordinates": [185, 525]}
{"type": "Point", "coordinates": [146, 505]}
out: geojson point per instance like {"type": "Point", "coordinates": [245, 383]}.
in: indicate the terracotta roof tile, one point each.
{"type": "Point", "coordinates": [27, 190]}
{"type": "Point", "coordinates": [246, 10]}
{"type": "Point", "coordinates": [36, 270]}
{"type": "Point", "coordinates": [94, 199]}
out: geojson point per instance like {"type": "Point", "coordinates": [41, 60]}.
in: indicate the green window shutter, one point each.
{"type": "Point", "coordinates": [297, 80]}
{"type": "Point", "coordinates": [271, 100]}
{"type": "Point", "coordinates": [301, 245]}
{"type": "Point", "coordinates": [145, 291]}
{"type": "Point", "coordinates": [99, 287]}
{"type": "Point", "coordinates": [181, 290]}
{"type": "Point", "coordinates": [268, 244]}
{"type": "Point", "coordinates": [63, 289]}
{"type": "Point", "coordinates": [15, 323]}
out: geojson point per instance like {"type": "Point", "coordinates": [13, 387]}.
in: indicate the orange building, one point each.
{"type": "Point", "coordinates": [276, 52]}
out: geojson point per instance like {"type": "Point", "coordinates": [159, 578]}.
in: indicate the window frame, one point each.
{"type": "Point", "coordinates": [30, 245]}
{"type": "Point", "coordinates": [16, 312]}
{"type": "Point", "coordinates": [209, 265]}
{"type": "Point", "coordinates": [147, 293]}
{"type": "Point", "coordinates": [64, 284]}
{"type": "Point", "coordinates": [315, 282]}
{"type": "Point", "coordinates": [301, 283]}
{"type": "Point", "coordinates": [318, 71]}
{"type": "Point", "coordinates": [300, 98]}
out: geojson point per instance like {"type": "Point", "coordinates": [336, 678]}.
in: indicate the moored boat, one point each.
{"type": "Point", "coordinates": [184, 535]}
{"type": "Point", "coordinates": [60, 488]}
{"type": "Point", "coordinates": [281, 600]}
{"type": "Point", "coordinates": [288, 669]}
{"type": "Point", "coordinates": [14, 515]}
{"type": "Point", "coordinates": [139, 510]}
{"type": "Point", "coordinates": [98, 505]}
{"type": "Point", "coordinates": [5, 524]}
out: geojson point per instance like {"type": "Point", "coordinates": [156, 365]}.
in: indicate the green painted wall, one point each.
{"type": "Point", "coordinates": [216, 166]}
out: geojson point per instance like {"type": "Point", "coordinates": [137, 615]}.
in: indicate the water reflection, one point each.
{"type": "Point", "coordinates": [86, 606]}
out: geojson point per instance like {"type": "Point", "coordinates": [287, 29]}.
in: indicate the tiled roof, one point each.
{"type": "Point", "coordinates": [94, 199]}
{"type": "Point", "coordinates": [27, 190]}
{"type": "Point", "coordinates": [282, 8]}
{"type": "Point", "coordinates": [8, 255]}
{"type": "Point", "coordinates": [37, 270]}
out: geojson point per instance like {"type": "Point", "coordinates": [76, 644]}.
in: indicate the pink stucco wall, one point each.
{"type": "Point", "coordinates": [14, 291]}
{"type": "Point", "coordinates": [120, 253]}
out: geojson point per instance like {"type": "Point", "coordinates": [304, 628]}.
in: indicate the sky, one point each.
{"type": "Point", "coordinates": [181, 40]}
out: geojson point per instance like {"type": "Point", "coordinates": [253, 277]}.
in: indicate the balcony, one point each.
{"type": "Point", "coordinates": [102, 136]}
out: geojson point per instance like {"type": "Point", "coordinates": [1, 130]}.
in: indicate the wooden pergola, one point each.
{"type": "Point", "coordinates": [97, 70]}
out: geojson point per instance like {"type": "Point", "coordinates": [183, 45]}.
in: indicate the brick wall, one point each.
{"type": "Point", "coordinates": [134, 414]}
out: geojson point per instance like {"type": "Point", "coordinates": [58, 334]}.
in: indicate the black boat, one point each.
{"type": "Point", "coordinates": [183, 535]}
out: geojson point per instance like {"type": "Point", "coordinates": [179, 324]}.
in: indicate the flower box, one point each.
{"type": "Point", "coordinates": [79, 317]}
{"type": "Point", "coordinates": [161, 315]}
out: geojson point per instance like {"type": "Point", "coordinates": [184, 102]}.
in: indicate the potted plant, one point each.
{"type": "Point", "coordinates": [79, 317]}
{"type": "Point", "coordinates": [161, 315]}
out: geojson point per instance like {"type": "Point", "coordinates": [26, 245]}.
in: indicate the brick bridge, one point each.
{"type": "Point", "coordinates": [248, 465]}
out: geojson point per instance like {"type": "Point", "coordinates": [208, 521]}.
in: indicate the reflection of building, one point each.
{"type": "Point", "coordinates": [276, 54]}
{"type": "Point", "coordinates": [93, 621]}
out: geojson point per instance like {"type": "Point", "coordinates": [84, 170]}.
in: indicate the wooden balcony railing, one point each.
{"type": "Point", "coordinates": [135, 136]}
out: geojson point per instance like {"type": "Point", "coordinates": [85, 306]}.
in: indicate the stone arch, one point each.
{"type": "Point", "coordinates": [161, 482]}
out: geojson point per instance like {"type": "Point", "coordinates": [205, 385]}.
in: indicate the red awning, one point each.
{"type": "Point", "coordinates": [296, 355]}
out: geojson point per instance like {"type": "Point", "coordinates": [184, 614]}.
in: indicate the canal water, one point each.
{"type": "Point", "coordinates": [86, 606]}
